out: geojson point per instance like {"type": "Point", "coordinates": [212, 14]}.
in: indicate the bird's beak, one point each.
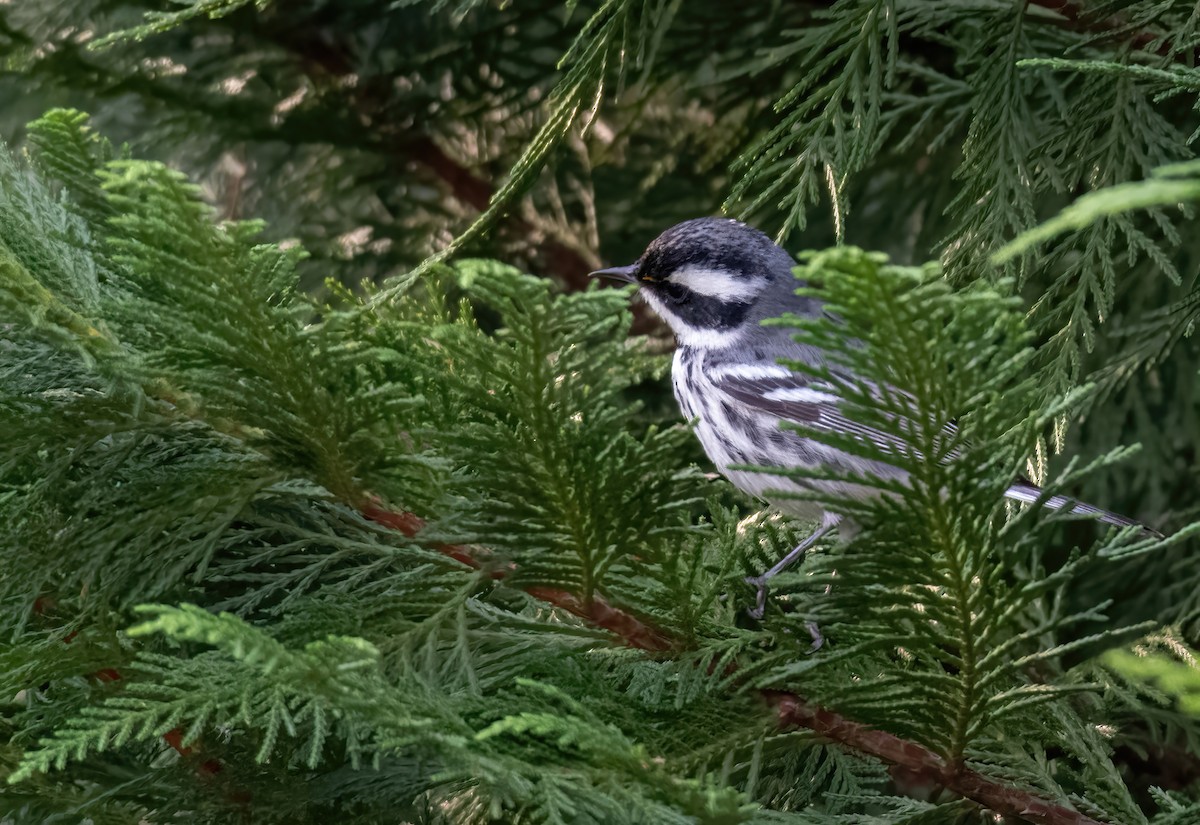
{"type": "Point", "coordinates": [625, 274]}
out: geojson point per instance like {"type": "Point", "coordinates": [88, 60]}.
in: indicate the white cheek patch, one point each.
{"type": "Point", "coordinates": [717, 283]}
{"type": "Point", "coordinates": [689, 335]}
{"type": "Point", "coordinates": [652, 300]}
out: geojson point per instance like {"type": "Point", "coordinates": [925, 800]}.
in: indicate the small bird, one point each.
{"type": "Point", "coordinates": [714, 280]}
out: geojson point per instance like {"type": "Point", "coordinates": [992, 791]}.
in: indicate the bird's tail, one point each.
{"type": "Point", "coordinates": [1028, 492]}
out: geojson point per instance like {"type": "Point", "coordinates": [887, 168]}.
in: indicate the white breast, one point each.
{"type": "Point", "coordinates": [734, 434]}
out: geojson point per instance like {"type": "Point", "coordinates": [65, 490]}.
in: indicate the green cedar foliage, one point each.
{"type": "Point", "coordinates": [376, 131]}
{"type": "Point", "coordinates": [200, 620]}
{"type": "Point", "coordinates": [200, 414]}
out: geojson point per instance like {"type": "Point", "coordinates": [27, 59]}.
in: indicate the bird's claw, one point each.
{"type": "Point", "coordinates": [760, 603]}
{"type": "Point", "coordinates": [760, 607]}
{"type": "Point", "coordinates": [817, 638]}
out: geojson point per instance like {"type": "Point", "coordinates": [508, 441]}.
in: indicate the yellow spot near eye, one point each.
{"type": "Point", "coordinates": [647, 277]}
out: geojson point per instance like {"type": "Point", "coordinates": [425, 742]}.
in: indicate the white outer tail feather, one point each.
{"type": "Point", "coordinates": [1029, 494]}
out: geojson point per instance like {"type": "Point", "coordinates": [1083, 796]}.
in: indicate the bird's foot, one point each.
{"type": "Point", "coordinates": [817, 638]}
{"type": "Point", "coordinates": [760, 603]}
{"type": "Point", "coordinates": [760, 607]}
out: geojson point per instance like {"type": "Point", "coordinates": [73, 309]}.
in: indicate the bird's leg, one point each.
{"type": "Point", "coordinates": [796, 555]}
{"type": "Point", "coordinates": [814, 632]}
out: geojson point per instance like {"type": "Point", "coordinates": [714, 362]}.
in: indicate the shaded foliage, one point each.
{"type": "Point", "coordinates": [202, 411]}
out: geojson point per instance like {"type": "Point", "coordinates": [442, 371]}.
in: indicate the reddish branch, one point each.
{"type": "Point", "coordinates": [791, 710]}
{"type": "Point", "coordinates": [631, 630]}
{"type": "Point", "coordinates": [206, 768]}
{"type": "Point", "coordinates": [410, 524]}
{"type": "Point", "coordinates": [1075, 15]}
{"type": "Point", "coordinates": [174, 737]}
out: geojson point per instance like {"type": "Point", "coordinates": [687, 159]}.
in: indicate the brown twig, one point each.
{"type": "Point", "coordinates": [630, 629]}
{"type": "Point", "coordinates": [1075, 15]}
{"type": "Point", "coordinates": [791, 710]}
{"type": "Point", "coordinates": [205, 768]}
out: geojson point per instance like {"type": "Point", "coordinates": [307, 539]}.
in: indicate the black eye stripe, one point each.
{"type": "Point", "coordinates": [723, 314]}
{"type": "Point", "coordinates": [676, 293]}
{"type": "Point", "coordinates": [704, 311]}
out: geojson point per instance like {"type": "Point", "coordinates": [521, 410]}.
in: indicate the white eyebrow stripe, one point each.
{"type": "Point", "coordinates": [716, 283]}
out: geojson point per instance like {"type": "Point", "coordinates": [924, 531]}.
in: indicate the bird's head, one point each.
{"type": "Point", "coordinates": [708, 277]}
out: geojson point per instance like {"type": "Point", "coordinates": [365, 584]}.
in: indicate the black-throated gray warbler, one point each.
{"type": "Point", "coordinates": [714, 280]}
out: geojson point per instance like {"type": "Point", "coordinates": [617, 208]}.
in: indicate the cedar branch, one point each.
{"type": "Point", "coordinates": [631, 630]}
{"type": "Point", "coordinates": [790, 709]}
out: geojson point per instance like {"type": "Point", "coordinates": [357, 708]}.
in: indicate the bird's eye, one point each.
{"type": "Point", "coordinates": [675, 293]}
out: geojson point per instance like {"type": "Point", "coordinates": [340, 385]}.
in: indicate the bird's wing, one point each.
{"type": "Point", "coordinates": [793, 397]}
{"type": "Point", "coordinates": [796, 398]}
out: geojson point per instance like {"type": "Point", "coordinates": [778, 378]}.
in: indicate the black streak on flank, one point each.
{"type": "Point", "coordinates": [735, 416]}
